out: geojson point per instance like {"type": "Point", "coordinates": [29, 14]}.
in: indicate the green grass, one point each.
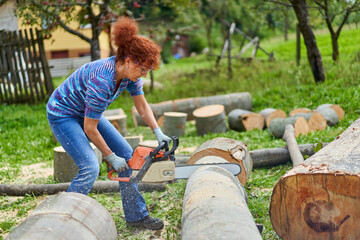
{"type": "Point", "coordinates": [26, 138]}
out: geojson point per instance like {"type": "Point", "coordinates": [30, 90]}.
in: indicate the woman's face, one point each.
{"type": "Point", "coordinates": [135, 71]}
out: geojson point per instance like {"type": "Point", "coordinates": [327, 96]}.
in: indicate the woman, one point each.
{"type": "Point", "coordinates": [75, 110]}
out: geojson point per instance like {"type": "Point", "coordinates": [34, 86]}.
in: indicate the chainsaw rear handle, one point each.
{"type": "Point", "coordinates": [149, 159]}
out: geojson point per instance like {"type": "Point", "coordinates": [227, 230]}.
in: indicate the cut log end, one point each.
{"type": "Point", "coordinates": [252, 121]}
{"type": "Point", "coordinates": [275, 114]}
{"type": "Point", "coordinates": [318, 201]}
{"type": "Point", "coordinates": [208, 111]}
{"type": "Point", "coordinates": [301, 127]}
{"type": "Point", "coordinates": [299, 110]}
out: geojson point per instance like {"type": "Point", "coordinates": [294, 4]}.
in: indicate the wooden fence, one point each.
{"type": "Point", "coordinates": [24, 70]}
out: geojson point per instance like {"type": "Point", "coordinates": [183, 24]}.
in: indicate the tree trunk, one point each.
{"type": "Point", "coordinates": [215, 206]}
{"type": "Point", "coordinates": [314, 56]}
{"type": "Point", "coordinates": [270, 113]}
{"type": "Point", "coordinates": [277, 126]}
{"type": "Point", "coordinates": [320, 198]}
{"type": "Point", "coordinates": [95, 48]}
{"type": "Point", "coordinates": [228, 149]}
{"type": "Point", "coordinates": [210, 119]}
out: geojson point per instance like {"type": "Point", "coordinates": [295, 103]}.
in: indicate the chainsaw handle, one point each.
{"type": "Point", "coordinates": [165, 146]}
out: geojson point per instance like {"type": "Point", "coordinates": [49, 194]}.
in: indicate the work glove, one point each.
{"type": "Point", "coordinates": [118, 163]}
{"type": "Point", "coordinates": [161, 137]}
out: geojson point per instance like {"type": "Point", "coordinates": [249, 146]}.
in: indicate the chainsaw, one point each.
{"type": "Point", "coordinates": [157, 165]}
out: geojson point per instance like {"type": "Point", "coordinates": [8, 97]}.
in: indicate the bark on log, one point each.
{"type": "Point", "coordinates": [329, 114]}
{"type": "Point", "coordinates": [188, 105]}
{"type": "Point", "coordinates": [299, 110]}
{"type": "Point", "coordinates": [243, 120]}
{"type": "Point", "coordinates": [289, 138]}
{"type": "Point", "coordinates": [339, 111]}
{"type": "Point", "coordinates": [215, 206]}
{"type": "Point", "coordinates": [270, 113]}
{"type": "Point", "coordinates": [315, 121]}
{"type": "Point", "coordinates": [210, 119]}
{"type": "Point", "coordinates": [277, 126]}
{"type": "Point", "coordinates": [50, 189]}
{"type": "Point", "coordinates": [174, 123]}
{"type": "Point", "coordinates": [67, 216]}
{"type": "Point", "coordinates": [320, 198]}
{"type": "Point", "coordinates": [228, 149]}
{"type": "Point", "coordinates": [275, 156]}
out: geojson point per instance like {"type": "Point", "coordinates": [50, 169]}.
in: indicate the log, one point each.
{"type": "Point", "coordinates": [299, 110]}
{"type": "Point", "coordinates": [339, 111]}
{"type": "Point", "coordinates": [174, 123]}
{"type": "Point", "coordinates": [228, 149]}
{"type": "Point", "coordinates": [329, 114]}
{"type": "Point", "coordinates": [320, 198]}
{"type": "Point", "coordinates": [188, 105]}
{"type": "Point", "coordinates": [67, 216]}
{"type": "Point", "coordinates": [315, 121]}
{"type": "Point", "coordinates": [270, 113]}
{"type": "Point", "coordinates": [277, 126]}
{"type": "Point", "coordinates": [112, 112]}
{"type": "Point", "coordinates": [243, 120]}
{"type": "Point", "coordinates": [50, 189]}
{"type": "Point", "coordinates": [275, 156]}
{"type": "Point", "coordinates": [65, 169]}
{"type": "Point", "coordinates": [119, 122]}
{"type": "Point", "coordinates": [215, 206]}
{"type": "Point", "coordinates": [289, 138]}
{"type": "Point", "coordinates": [210, 119]}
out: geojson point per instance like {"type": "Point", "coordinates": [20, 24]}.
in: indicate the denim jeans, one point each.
{"type": "Point", "coordinates": [70, 134]}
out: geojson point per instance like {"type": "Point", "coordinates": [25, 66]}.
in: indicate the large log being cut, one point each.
{"type": "Point", "coordinates": [228, 149]}
{"type": "Point", "coordinates": [320, 198]}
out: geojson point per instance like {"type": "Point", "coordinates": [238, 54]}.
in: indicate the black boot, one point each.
{"type": "Point", "coordinates": [147, 222]}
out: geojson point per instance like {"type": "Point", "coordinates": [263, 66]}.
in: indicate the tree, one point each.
{"type": "Point", "coordinates": [330, 10]}
{"type": "Point", "coordinates": [52, 14]}
{"type": "Point", "coordinates": [314, 57]}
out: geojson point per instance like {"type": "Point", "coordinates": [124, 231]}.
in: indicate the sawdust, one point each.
{"type": "Point", "coordinates": [34, 171]}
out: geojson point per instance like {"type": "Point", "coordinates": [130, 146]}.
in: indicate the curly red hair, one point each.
{"type": "Point", "coordinates": [129, 44]}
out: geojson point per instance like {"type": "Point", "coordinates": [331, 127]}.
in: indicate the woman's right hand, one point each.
{"type": "Point", "coordinates": [118, 163]}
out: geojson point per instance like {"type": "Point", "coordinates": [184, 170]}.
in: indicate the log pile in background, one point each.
{"type": "Point", "coordinates": [320, 198]}
{"type": "Point", "coordinates": [277, 126]}
{"type": "Point", "coordinates": [271, 113]}
{"type": "Point", "coordinates": [215, 202]}
{"type": "Point", "coordinates": [315, 120]}
{"type": "Point", "coordinates": [117, 117]}
{"type": "Point", "coordinates": [243, 120]}
{"type": "Point", "coordinates": [230, 101]}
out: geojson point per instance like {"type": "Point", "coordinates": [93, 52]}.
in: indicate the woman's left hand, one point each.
{"type": "Point", "coordinates": [161, 137]}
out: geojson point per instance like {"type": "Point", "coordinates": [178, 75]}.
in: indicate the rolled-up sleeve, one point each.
{"type": "Point", "coordinates": [97, 95]}
{"type": "Point", "coordinates": [135, 88]}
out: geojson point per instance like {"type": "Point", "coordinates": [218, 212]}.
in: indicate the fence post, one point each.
{"type": "Point", "coordinates": [45, 66]}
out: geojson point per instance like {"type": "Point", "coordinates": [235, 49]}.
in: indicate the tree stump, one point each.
{"type": "Point", "coordinates": [67, 216]}
{"type": "Point", "coordinates": [329, 114]}
{"type": "Point", "coordinates": [119, 122]}
{"type": "Point", "coordinates": [174, 123]}
{"type": "Point", "coordinates": [277, 126]}
{"type": "Point", "coordinates": [299, 110]}
{"type": "Point", "coordinates": [315, 121]}
{"type": "Point", "coordinates": [339, 111]}
{"type": "Point", "coordinates": [270, 113]}
{"type": "Point", "coordinates": [228, 149]}
{"type": "Point", "coordinates": [215, 206]}
{"type": "Point", "coordinates": [65, 169]}
{"type": "Point", "coordinates": [188, 105]}
{"type": "Point", "coordinates": [243, 120]}
{"type": "Point", "coordinates": [320, 198]}
{"type": "Point", "coordinates": [210, 119]}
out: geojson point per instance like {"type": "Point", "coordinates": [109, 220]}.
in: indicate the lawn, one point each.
{"type": "Point", "coordinates": [26, 146]}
